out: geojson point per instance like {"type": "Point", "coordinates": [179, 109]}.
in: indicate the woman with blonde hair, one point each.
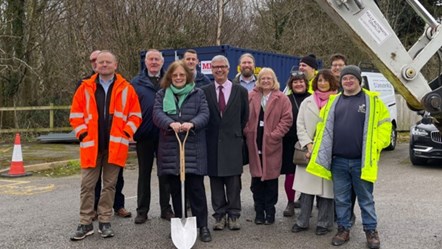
{"type": "Point", "coordinates": [269, 120]}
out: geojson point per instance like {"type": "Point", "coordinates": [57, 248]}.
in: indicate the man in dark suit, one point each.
{"type": "Point", "coordinates": [229, 112]}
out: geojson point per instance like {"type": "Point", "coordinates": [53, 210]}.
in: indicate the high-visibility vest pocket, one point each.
{"type": "Point", "coordinates": [88, 152]}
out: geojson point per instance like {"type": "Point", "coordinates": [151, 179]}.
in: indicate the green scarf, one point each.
{"type": "Point", "coordinates": [169, 105]}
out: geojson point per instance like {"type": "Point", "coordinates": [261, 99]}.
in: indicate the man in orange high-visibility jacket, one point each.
{"type": "Point", "coordinates": [105, 114]}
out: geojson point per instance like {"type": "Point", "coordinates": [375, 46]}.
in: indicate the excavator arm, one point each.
{"type": "Point", "coordinates": [369, 30]}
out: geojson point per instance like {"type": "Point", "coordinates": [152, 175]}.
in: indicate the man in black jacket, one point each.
{"type": "Point", "coordinates": [191, 59]}
{"type": "Point", "coordinates": [146, 84]}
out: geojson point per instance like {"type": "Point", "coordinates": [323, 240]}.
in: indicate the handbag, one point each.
{"type": "Point", "coordinates": [299, 155]}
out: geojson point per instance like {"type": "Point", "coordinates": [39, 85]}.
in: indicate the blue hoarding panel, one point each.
{"type": "Point", "coordinates": [280, 63]}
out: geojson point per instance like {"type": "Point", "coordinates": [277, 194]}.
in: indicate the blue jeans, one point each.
{"type": "Point", "coordinates": [347, 176]}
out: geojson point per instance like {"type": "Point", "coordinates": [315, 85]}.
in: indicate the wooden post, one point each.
{"type": "Point", "coordinates": [51, 116]}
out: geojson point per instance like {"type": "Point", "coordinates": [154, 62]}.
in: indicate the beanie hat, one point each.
{"type": "Point", "coordinates": [353, 70]}
{"type": "Point", "coordinates": [310, 60]}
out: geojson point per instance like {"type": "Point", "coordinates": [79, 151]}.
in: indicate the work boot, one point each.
{"type": "Point", "coordinates": [220, 223]}
{"type": "Point", "coordinates": [234, 223]}
{"type": "Point", "coordinates": [123, 213]}
{"type": "Point", "coordinates": [205, 234]}
{"type": "Point", "coordinates": [321, 230]}
{"type": "Point", "coordinates": [105, 230]}
{"type": "Point", "coordinates": [289, 210]}
{"type": "Point", "coordinates": [297, 229]}
{"type": "Point", "coordinates": [259, 218]}
{"type": "Point", "coordinates": [167, 215]}
{"type": "Point", "coordinates": [373, 241]}
{"type": "Point", "coordinates": [341, 237]}
{"type": "Point", "coordinates": [270, 219]}
{"type": "Point", "coordinates": [83, 231]}
{"type": "Point", "coordinates": [141, 218]}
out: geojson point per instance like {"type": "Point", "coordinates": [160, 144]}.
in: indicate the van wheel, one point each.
{"type": "Point", "coordinates": [393, 138]}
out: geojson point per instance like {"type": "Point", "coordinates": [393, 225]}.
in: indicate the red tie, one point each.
{"type": "Point", "coordinates": [221, 100]}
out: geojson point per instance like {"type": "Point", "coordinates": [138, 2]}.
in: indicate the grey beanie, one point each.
{"type": "Point", "coordinates": [353, 70]}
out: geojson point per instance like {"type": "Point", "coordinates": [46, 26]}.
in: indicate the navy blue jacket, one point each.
{"type": "Point", "coordinates": [146, 95]}
{"type": "Point", "coordinates": [201, 80]}
{"type": "Point", "coordinates": [194, 110]}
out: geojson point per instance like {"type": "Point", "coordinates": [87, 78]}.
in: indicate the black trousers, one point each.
{"type": "Point", "coordinates": [145, 153]}
{"type": "Point", "coordinates": [119, 197]}
{"type": "Point", "coordinates": [196, 193]}
{"type": "Point", "coordinates": [226, 196]}
{"type": "Point", "coordinates": [265, 196]}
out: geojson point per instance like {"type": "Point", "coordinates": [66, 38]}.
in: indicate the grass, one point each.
{"type": "Point", "coordinates": [403, 137]}
{"type": "Point", "coordinates": [71, 168]}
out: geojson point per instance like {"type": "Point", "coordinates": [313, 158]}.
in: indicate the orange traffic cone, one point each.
{"type": "Point", "coordinates": [17, 168]}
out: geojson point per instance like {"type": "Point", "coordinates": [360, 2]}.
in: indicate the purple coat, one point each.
{"type": "Point", "coordinates": [278, 118]}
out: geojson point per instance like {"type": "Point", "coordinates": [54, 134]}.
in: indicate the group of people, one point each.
{"type": "Point", "coordinates": [228, 124]}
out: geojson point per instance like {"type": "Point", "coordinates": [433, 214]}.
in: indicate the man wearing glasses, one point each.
{"type": "Point", "coordinates": [229, 112]}
{"type": "Point", "coordinates": [337, 63]}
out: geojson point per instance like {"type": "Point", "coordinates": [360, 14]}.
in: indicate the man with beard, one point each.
{"type": "Point", "coordinates": [247, 77]}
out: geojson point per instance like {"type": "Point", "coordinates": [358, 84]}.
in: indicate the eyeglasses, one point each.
{"type": "Point", "coordinates": [219, 67]}
{"type": "Point", "coordinates": [338, 65]}
{"type": "Point", "coordinates": [93, 60]}
{"type": "Point", "coordinates": [297, 74]}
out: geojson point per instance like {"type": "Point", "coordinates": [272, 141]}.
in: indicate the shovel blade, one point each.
{"type": "Point", "coordinates": [183, 232]}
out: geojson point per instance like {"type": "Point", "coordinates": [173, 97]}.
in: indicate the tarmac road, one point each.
{"type": "Point", "coordinates": [41, 212]}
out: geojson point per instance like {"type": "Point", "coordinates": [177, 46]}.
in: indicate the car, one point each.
{"type": "Point", "coordinates": [374, 81]}
{"type": "Point", "coordinates": [425, 142]}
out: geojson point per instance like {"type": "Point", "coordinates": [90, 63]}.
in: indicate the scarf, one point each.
{"type": "Point", "coordinates": [169, 104]}
{"type": "Point", "coordinates": [321, 98]}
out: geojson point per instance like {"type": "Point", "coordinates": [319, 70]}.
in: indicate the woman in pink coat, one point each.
{"type": "Point", "coordinates": [269, 120]}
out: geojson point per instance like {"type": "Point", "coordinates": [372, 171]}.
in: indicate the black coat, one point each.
{"type": "Point", "coordinates": [146, 92]}
{"type": "Point", "coordinates": [194, 110]}
{"type": "Point", "coordinates": [289, 140]}
{"type": "Point", "coordinates": [225, 135]}
{"type": "Point", "coordinates": [201, 80]}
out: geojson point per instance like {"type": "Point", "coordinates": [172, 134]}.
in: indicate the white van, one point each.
{"type": "Point", "coordinates": [376, 82]}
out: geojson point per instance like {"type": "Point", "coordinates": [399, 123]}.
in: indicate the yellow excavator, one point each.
{"type": "Point", "coordinates": [367, 27]}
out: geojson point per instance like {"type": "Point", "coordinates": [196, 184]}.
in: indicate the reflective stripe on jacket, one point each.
{"type": "Point", "coordinates": [377, 131]}
{"type": "Point", "coordinates": [124, 107]}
